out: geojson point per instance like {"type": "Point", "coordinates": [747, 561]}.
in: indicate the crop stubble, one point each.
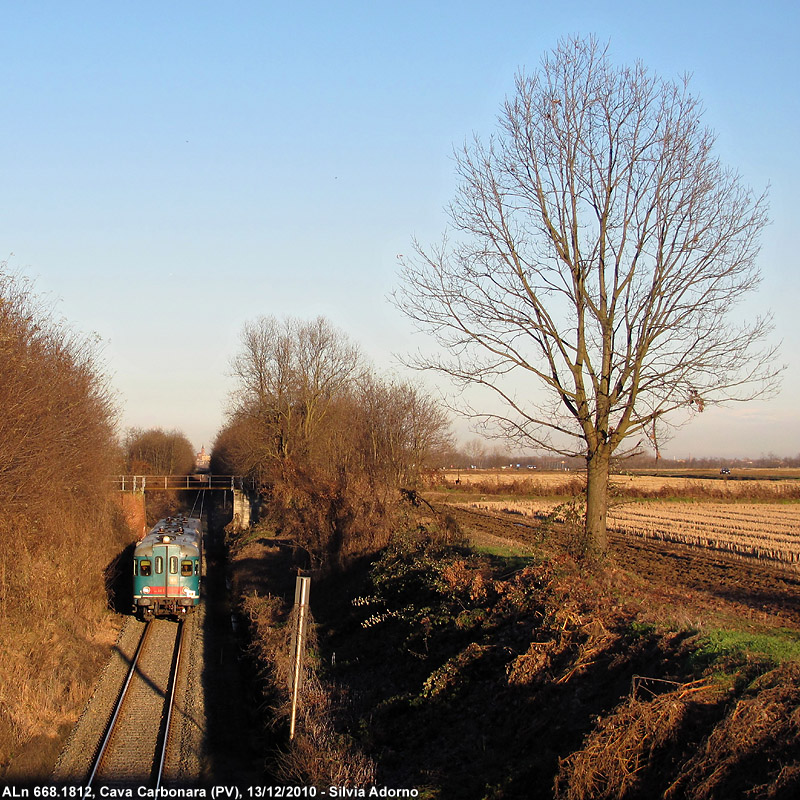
{"type": "Point", "coordinates": [718, 515]}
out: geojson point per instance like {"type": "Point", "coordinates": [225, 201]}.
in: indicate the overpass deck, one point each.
{"type": "Point", "coordinates": [197, 482]}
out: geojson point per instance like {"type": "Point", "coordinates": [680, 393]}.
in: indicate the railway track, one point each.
{"type": "Point", "coordinates": [134, 746]}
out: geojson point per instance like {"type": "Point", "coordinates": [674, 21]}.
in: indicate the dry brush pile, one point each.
{"type": "Point", "coordinates": [60, 529]}
{"type": "Point", "coordinates": [474, 676]}
{"type": "Point", "coordinates": [651, 740]}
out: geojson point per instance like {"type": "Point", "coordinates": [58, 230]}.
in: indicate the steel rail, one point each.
{"type": "Point", "coordinates": [161, 746]}
{"type": "Point", "coordinates": [170, 702]}
{"type": "Point", "coordinates": [110, 729]}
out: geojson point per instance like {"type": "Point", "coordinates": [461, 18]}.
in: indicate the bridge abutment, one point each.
{"type": "Point", "coordinates": [244, 508]}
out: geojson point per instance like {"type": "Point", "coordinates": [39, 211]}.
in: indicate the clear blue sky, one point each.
{"type": "Point", "coordinates": [172, 169]}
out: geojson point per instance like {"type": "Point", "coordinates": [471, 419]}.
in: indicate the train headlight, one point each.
{"type": "Point", "coordinates": [145, 590]}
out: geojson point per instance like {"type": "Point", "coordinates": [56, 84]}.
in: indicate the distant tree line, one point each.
{"type": "Point", "coordinates": [477, 454]}
{"type": "Point", "coordinates": [154, 451]}
{"type": "Point", "coordinates": [328, 440]}
{"type": "Point", "coordinates": [768, 461]}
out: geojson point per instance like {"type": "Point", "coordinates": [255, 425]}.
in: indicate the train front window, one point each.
{"type": "Point", "coordinates": [186, 568]}
{"type": "Point", "coordinates": [159, 565]}
{"type": "Point", "coordinates": [173, 565]}
{"type": "Point", "coordinates": [145, 568]}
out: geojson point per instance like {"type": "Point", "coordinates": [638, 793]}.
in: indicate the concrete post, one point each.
{"type": "Point", "coordinates": [302, 591]}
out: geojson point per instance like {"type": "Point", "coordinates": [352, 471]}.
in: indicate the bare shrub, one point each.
{"type": "Point", "coordinates": [753, 752]}
{"type": "Point", "coordinates": [328, 441]}
{"type": "Point", "coordinates": [616, 755]}
{"type": "Point", "coordinates": [320, 754]}
{"type": "Point", "coordinates": [331, 517]}
{"type": "Point", "coordinates": [60, 527]}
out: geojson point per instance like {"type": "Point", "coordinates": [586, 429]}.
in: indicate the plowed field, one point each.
{"type": "Point", "coordinates": [693, 581]}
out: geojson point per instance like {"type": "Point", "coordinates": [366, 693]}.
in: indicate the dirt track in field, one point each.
{"type": "Point", "coordinates": [692, 581]}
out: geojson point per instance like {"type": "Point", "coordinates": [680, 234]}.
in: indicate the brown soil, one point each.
{"type": "Point", "coordinates": [691, 581]}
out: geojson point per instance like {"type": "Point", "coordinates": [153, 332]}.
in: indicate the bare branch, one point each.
{"type": "Point", "coordinates": [597, 245]}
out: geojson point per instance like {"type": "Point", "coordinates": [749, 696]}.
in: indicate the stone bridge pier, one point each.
{"type": "Point", "coordinates": [245, 508]}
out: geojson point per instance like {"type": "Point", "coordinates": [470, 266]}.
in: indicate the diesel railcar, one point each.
{"type": "Point", "coordinates": [167, 566]}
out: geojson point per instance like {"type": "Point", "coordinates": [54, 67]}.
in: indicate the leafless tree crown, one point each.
{"type": "Point", "coordinates": [598, 245]}
{"type": "Point", "coordinates": [328, 440]}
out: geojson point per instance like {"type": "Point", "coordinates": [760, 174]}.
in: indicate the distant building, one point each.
{"type": "Point", "coordinates": [202, 461]}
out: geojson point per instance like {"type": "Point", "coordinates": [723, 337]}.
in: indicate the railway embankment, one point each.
{"type": "Point", "coordinates": [233, 741]}
{"type": "Point", "coordinates": [262, 578]}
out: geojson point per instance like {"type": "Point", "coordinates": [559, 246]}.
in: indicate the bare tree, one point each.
{"type": "Point", "coordinates": [329, 442]}
{"type": "Point", "coordinates": [288, 374]}
{"type": "Point", "coordinates": [475, 450]}
{"type": "Point", "coordinates": [403, 430]}
{"type": "Point", "coordinates": [57, 425]}
{"type": "Point", "coordinates": [598, 246]}
{"type": "Point", "coordinates": [157, 452]}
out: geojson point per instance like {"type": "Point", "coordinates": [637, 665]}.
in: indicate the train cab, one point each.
{"type": "Point", "coordinates": [167, 567]}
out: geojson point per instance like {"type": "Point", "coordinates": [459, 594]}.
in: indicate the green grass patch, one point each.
{"type": "Point", "coordinates": [731, 647]}
{"type": "Point", "coordinates": [520, 552]}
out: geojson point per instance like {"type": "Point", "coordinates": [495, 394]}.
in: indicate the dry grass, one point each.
{"type": "Point", "coordinates": [538, 508]}
{"type": "Point", "coordinates": [509, 482]}
{"type": "Point", "coordinates": [59, 528]}
{"type": "Point", "coordinates": [319, 755]}
{"type": "Point", "coordinates": [658, 486]}
{"type": "Point", "coordinates": [55, 629]}
{"type": "Point", "coordinates": [567, 484]}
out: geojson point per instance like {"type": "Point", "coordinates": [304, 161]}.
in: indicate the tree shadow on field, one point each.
{"type": "Point", "coordinates": [783, 600]}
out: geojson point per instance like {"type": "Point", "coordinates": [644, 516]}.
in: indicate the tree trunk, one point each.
{"type": "Point", "coordinates": [597, 468]}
